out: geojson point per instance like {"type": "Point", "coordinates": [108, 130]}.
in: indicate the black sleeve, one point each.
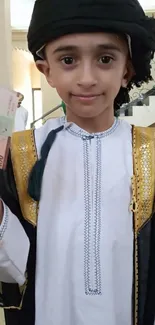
{"type": "Point", "coordinates": [8, 191]}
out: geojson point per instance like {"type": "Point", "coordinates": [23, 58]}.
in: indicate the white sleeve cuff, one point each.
{"type": "Point", "coordinates": [14, 249]}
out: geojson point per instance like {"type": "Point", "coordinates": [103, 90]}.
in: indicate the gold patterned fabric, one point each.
{"type": "Point", "coordinates": [143, 186]}
{"type": "Point", "coordinates": [144, 174]}
{"type": "Point", "coordinates": [24, 156]}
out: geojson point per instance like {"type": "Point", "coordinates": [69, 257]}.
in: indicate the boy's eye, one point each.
{"type": "Point", "coordinates": [105, 59]}
{"type": "Point", "coordinates": [68, 60]}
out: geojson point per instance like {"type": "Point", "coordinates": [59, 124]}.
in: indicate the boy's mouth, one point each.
{"type": "Point", "coordinates": [86, 97]}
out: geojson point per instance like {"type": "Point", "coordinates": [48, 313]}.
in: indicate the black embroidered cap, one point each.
{"type": "Point", "coordinates": [55, 18]}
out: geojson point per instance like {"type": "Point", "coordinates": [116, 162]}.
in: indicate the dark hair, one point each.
{"type": "Point", "coordinates": [141, 60]}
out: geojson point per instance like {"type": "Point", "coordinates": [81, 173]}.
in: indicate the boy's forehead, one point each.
{"type": "Point", "coordinates": [89, 40]}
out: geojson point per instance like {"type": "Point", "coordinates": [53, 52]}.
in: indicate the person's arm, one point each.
{"type": "Point", "coordinates": [26, 117]}
{"type": "Point", "coordinates": [14, 249]}
{"type": "Point", "coordinates": [14, 243]}
{"type": "Point", "coordinates": [21, 118]}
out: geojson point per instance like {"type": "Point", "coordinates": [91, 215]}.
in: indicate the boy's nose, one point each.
{"type": "Point", "coordinates": [87, 77]}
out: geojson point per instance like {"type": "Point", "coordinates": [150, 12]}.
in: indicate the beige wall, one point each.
{"type": "Point", "coordinates": [21, 61]}
{"type": "Point", "coordinates": [5, 44]}
{"type": "Point", "coordinates": [35, 76]}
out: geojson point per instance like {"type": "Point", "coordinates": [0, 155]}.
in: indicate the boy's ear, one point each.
{"type": "Point", "coordinates": [43, 67]}
{"type": "Point", "coordinates": [129, 74]}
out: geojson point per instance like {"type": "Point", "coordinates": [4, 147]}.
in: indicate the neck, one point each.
{"type": "Point", "coordinates": [96, 124]}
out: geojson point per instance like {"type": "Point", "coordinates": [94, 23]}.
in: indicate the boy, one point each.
{"type": "Point", "coordinates": [83, 254]}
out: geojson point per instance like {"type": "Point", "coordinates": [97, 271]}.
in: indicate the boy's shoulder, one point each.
{"type": "Point", "coordinates": [144, 130]}
{"type": "Point", "coordinates": [41, 133]}
{"type": "Point", "coordinates": [25, 151]}
{"type": "Point", "coordinates": [143, 139]}
{"type": "Point", "coordinates": [38, 136]}
{"type": "Point", "coordinates": [139, 129]}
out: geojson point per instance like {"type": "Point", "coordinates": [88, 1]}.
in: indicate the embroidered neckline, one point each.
{"type": "Point", "coordinates": [77, 131]}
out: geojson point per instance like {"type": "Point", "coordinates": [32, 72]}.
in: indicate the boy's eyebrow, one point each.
{"type": "Point", "coordinates": [65, 48]}
{"type": "Point", "coordinates": [109, 46]}
{"type": "Point", "coordinates": [106, 46]}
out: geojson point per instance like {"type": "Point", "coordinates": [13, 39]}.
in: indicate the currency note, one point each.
{"type": "Point", "coordinates": [8, 106]}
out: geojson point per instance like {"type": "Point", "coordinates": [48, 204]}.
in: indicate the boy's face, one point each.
{"type": "Point", "coordinates": [87, 71]}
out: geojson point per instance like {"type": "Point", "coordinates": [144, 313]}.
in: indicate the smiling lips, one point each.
{"type": "Point", "coordinates": [86, 98]}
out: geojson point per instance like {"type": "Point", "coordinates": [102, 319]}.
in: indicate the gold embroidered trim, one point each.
{"type": "Point", "coordinates": [24, 156]}
{"type": "Point", "coordinates": [143, 189]}
{"type": "Point", "coordinates": [144, 173]}
{"type": "Point", "coordinates": [134, 204]}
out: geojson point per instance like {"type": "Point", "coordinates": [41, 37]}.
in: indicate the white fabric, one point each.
{"type": "Point", "coordinates": [62, 246]}
{"type": "Point", "coordinates": [60, 282]}
{"type": "Point", "coordinates": [21, 118]}
{"type": "Point", "coordinates": [14, 249]}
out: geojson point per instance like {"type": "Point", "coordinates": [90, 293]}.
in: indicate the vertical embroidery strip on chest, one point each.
{"type": "Point", "coordinates": [92, 227]}
{"type": "Point", "coordinates": [92, 200]}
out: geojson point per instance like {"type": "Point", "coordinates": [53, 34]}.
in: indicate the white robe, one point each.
{"type": "Point", "coordinates": [84, 269]}
{"type": "Point", "coordinates": [21, 118]}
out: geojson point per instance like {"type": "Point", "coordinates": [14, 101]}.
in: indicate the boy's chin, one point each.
{"type": "Point", "coordinates": [88, 112]}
